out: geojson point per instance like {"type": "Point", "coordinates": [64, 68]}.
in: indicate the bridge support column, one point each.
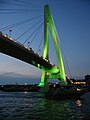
{"type": "Point", "coordinates": [44, 81]}
{"type": "Point", "coordinates": [44, 87]}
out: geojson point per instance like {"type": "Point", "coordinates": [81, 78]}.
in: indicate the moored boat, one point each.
{"type": "Point", "coordinates": [66, 92]}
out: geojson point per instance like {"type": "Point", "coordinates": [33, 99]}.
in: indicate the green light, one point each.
{"type": "Point", "coordinates": [43, 81]}
{"type": "Point", "coordinates": [48, 21]}
{"type": "Point", "coordinates": [33, 63]}
{"type": "Point", "coordinates": [39, 65]}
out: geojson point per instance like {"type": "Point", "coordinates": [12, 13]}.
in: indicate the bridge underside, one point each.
{"type": "Point", "coordinates": [16, 50]}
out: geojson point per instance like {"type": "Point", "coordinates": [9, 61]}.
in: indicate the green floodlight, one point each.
{"type": "Point", "coordinates": [49, 23]}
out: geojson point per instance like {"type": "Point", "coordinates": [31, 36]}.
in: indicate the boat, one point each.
{"type": "Point", "coordinates": [66, 92]}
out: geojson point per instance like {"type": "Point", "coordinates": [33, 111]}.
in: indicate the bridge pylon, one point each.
{"type": "Point", "coordinates": [49, 23]}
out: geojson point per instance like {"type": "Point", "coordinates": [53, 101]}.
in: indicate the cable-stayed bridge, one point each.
{"type": "Point", "coordinates": [11, 47]}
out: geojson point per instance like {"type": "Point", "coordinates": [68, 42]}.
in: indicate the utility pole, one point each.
{"type": "Point", "coordinates": [10, 33]}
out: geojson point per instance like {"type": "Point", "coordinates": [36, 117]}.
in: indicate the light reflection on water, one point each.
{"type": "Point", "coordinates": [28, 106]}
{"type": "Point", "coordinates": [78, 103]}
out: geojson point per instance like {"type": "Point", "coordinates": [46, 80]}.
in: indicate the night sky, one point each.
{"type": "Point", "coordinates": [72, 21]}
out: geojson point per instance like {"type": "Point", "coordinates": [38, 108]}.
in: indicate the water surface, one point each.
{"type": "Point", "coordinates": [30, 106]}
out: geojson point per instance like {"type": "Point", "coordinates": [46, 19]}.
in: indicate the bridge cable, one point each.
{"type": "Point", "coordinates": [19, 12]}
{"type": "Point", "coordinates": [64, 57]}
{"type": "Point", "coordinates": [28, 29]}
{"type": "Point", "coordinates": [40, 43]}
{"type": "Point", "coordinates": [33, 32]}
{"type": "Point", "coordinates": [68, 67]}
{"type": "Point", "coordinates": [19, 9]}
{"type": "Point", "coordinates": [19, 23]}
{"type": "Point", "coordinates": [20, 5]}
{"type": "Point", "coordinates": [35, 35]}
{"type": "Point", "coordinates": [25, 2]}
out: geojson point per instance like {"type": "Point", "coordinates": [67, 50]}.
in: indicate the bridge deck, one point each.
{"type": "Point", "coordinates": [12, 48]}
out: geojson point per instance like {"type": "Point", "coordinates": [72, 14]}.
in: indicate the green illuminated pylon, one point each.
{"type": "Point", "coordinates": [48, 22]}
{"type": "Point", "coordinates": [45, 52]}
